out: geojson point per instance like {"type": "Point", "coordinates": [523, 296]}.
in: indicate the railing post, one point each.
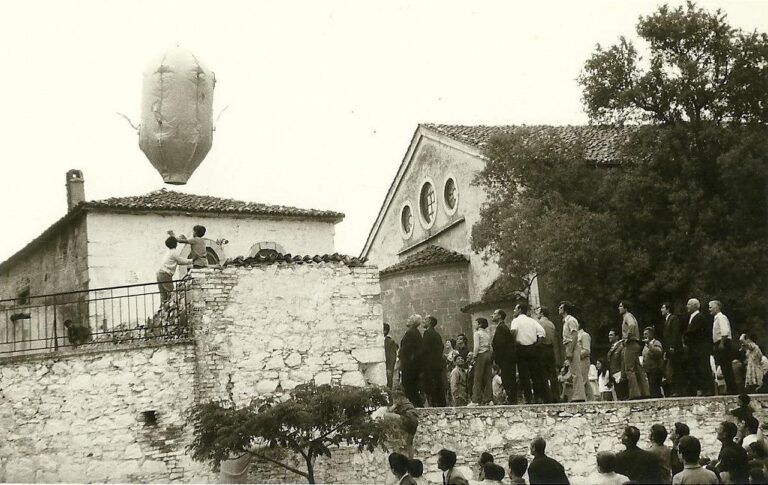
{"type": "Point", "coordinates": [55, 325]}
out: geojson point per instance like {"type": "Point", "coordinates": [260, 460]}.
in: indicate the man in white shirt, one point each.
{"type": "Point", "coordinates": [171, 260]}
{"type": "Point", "coordinates": [527, 333]}
{"type": "Point", "coordinates": [721, 339]}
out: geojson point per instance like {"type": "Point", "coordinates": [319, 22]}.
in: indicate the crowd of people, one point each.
{"type": "Point", "coordinates": [743, 458]}
{"type": "Point", "coordinates": [517, 363]}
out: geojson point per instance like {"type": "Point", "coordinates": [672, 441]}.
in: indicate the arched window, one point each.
{"type": "Point", "coordinates": [266, 246]}
{"type": "Point", "coordinates": [406, 221]}
{"type": "Point", "coordinates": [428, 203]}
{"type": "Point", "coordinates": [450, 196]}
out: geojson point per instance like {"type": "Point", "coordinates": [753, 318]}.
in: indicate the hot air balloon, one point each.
{"type": "Point", "coordinates": [176, 128]}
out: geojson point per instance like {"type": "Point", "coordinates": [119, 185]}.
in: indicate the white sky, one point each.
{"type": "Point", "coordinates": [323, 96]}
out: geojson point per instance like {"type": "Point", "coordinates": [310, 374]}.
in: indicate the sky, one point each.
{"type": "Point", "coordinates": [322, 97]}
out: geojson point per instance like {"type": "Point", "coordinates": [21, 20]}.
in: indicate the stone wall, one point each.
{"type": "Point", "coordinates": [265, 329]}
{"type": "Point", "coordinates": [79, 416]}
{"type": "Point", "coordinates": [440, 291]}
{"type": "Point", "coordinates": [574, 432]}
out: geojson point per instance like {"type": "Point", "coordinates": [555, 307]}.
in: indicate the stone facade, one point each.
{"type": "Point", "coordinates": [440, 291]}
{"type": "Point", "coordinates": [263, 330]}
{"type": "Point", "coordinates": [79, 416]}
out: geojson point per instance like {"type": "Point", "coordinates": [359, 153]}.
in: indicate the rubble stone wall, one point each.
{"type": "Point", "coordinates": [574, 432]}
{"type": "Point", "coordinates": [78, 416]}
{"type": "Point", "coordinates": [262, 330]}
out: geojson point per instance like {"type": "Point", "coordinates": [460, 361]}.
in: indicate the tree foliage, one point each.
{"type": "Point", "coordinates": [685, 213]}
{"type": "Point", "coordinates": [310, 423]}
{"type": "Point", "coordinates": [699, 69]}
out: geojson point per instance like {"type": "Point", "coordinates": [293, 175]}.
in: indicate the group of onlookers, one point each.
{"type": "Point", "coordinates": [743, 458]}
{"type": "Point", "coordinates": [516, 362]}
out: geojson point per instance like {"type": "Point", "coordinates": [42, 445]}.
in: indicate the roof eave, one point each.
{"type": "Point", "coordinates": [334, 217]}
{"type": "Point", "coordinates": [387, 274]}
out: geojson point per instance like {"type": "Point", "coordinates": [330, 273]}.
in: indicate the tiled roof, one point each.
{"type": "Point", "coordinates": [430, 256]}
{"type": "Point", "coordinates": [272, 257]}
{"type": "Point", "coordinates": [502, 290]}
{"type": "Point", "coordinates": [601, 142]}
{"type": "Point", "coordinates": [169, 200]}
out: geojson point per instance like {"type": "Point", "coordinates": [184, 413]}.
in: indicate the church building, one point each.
{"type": "Point", "coordinates": [421, 237]}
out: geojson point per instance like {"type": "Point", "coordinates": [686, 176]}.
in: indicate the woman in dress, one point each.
{"type": "Point", "coordinates": [754, 358]}
{"type": "Point", "coordinates": [580, 364]}
{"type": "Point", "coordinates": [585, 342]}
{"type": "Point", "coordinates": [604, 389]}
{"type": "Point", "coordinates": [481, 353]}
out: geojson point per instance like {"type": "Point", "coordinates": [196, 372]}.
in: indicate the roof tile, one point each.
{"type": "Point", "coordinates": [430, 256]}
{"type": "Point", "coordinates": [601, 141]}
{"type": "Point", "coordinates": [169, 200]}
{"type": "Point", "coordinates": [273, 257]}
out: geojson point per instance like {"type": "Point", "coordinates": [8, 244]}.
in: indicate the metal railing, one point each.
{"type": "Point", "coordinates": [119, 314]}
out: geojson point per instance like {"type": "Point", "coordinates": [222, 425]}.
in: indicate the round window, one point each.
{"type": "Point", "coordinates": [450, 194]}
{"type": "Point", "coordinates": [406, 221]}
{"type": "Point", "coordinates": [427, 202]}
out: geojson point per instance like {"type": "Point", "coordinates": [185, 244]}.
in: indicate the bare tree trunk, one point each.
{"type": "Point", "coordinates": [310, 467]}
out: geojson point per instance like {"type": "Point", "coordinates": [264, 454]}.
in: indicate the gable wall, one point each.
{"type": "Point", "coordinates": [128, 248]}
{"type": "Point", "coordinates": [57, 265]}
{"type": "Point", "coordinates": [435, 160]}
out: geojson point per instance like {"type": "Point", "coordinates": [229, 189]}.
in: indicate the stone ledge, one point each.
{"type": "Point", "coordinates": [99, 348]}
{"type": "Point", "coordinates": [581, 407]}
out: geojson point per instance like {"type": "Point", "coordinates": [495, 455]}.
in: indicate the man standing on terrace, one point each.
{"type": "Point", "coordinates": [528, 335]}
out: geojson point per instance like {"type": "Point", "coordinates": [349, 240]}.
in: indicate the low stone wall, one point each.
{"type": "Point", "coordinates": [574, 432]}
{"type": "Point", "coordinates": [263, 330]}
{"type": "Point", "coordinates": [78, 416]}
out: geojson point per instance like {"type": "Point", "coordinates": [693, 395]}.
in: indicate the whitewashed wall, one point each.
{"type": "Point", "coordinates": [127, 248]}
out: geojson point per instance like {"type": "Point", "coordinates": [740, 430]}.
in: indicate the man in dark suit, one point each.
{"type": "Point", "coordinates": [433, 365]}
{"type": "Point", "coordinates": [411, 360]}
{"type": "Point", "coordinates": [673, 351]}
{"type": "Point", "coordinates": [503, 348]}
{"type": "Point", "coordinates": [698, 343]}
{"type": "Point", "coordinates": [542, 468]}
{"type": "Point", "coordinates": [638, 465]}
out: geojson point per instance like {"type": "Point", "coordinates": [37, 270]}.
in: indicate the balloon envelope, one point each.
{"type": "Point", "coordinates": [176, 129]}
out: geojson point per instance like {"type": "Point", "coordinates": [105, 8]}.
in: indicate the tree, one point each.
{"type": "Point", "coordinates": [684, 212]}
{"type": "Point", "coordinates": [314, 419]}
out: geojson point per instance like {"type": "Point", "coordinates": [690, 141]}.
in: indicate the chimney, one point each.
{"type": "Point", "coordinates": [75, 188]}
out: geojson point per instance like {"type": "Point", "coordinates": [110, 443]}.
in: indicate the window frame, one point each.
{"type": "Point", "coordinates": [424, 222]}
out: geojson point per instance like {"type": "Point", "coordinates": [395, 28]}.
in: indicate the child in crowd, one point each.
{"type": "Point", "coordinates": [459, 382]}
{"type": "Point", "coordinates": [606, 470]}
{"type": "Point", "coordinates": [499, 396]}
{"type": "Point", "coordinates": [566, 381]}
{"type": "Point", "coordinates": [518, 465]}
